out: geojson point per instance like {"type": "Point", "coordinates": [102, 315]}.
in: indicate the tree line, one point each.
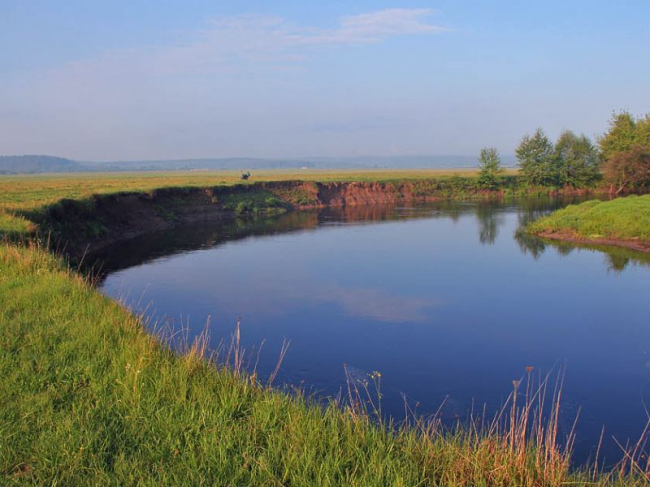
{"type": "Point", "coordinates": [620, 158]}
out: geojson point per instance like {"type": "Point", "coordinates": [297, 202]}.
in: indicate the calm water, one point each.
{"type": "Point", "coordinates": [442, 299]}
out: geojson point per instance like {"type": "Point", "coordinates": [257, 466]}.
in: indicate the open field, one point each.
{"type": "Point", "coordinates": [623, 221]}
{"type": "Point", "coordinates": [44, 188]}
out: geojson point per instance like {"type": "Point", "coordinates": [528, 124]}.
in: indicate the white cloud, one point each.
{"type": "Point", "coordinates": [227, 42]}
{"type": "Point", "coordinates": [376, 26]}
{"type": "Point", "coordinates": [272, 40]}
{"type": "Point", "coordinates": [367, 28]}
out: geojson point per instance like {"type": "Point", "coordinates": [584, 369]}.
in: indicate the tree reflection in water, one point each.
{"type": "Point", "coordinates": [491, 216]}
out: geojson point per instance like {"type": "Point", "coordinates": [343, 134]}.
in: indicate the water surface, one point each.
{"type": "Point", "coordinates": [443, 299]}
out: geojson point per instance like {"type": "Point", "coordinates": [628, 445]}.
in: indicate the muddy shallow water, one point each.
{"type": "Point", "coordinates": [443, 299]}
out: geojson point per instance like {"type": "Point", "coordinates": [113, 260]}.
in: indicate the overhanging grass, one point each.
{"type": "Point", "coordinates": [623, 218]}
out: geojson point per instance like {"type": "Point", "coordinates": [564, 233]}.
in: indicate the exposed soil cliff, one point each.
{"type": "Point", "coordinates": [77, 227]}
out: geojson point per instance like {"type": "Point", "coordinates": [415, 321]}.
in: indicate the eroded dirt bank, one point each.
{"type": "Point", "coordinates": [79, 227]}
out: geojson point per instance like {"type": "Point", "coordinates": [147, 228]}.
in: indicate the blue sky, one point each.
{"type": "Point", "coordinates": [106, 80]}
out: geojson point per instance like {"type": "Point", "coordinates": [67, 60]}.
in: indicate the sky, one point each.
{"type": "Point", "coordinates": [109, 80]}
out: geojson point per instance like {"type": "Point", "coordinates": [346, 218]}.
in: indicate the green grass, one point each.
{"type": "Point", "coordinates": [623, 218]}
{"type": "Point", "coordinates": [253, 203]}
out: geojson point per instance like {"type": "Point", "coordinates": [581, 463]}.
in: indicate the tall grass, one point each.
{"type": "Point", "coordinates": [90, 398]}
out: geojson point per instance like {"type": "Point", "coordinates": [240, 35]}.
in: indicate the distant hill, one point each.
{"type": "Point", "coordinates": [232, 163]}
{"type": "Point", "coordinates": [37, 164]}
{"type": "Point", "coordinates": [237, 163]}
{"type": "Point", "coordinates": [45, 164]}
{"type": "Point", "coordinates": [405, 162]}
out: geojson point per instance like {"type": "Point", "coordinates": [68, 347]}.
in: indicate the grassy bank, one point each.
{"type": "Point", "coordinates": [623, 222]}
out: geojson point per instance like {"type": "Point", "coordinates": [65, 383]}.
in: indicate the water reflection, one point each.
{"type": "Point", "coordinates": [490, 218]}
{"type": "Point", "coordinates": [444, 299]}
{"type": "Point", "coordinates": [615, 259]}
{"type": "Point", "coordinates": [187, 238]}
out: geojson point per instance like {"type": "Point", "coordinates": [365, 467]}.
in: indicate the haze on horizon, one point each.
{"type": "Point", "coordinates": [108, 80]}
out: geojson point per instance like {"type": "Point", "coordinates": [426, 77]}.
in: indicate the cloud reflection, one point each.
{"type": "Point", "coordinates": [379, 305]}
{"type": "Point", "coordinates": [280, 295]}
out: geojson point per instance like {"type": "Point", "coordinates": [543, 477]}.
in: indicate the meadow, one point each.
{"type": "Point", "coordinates": [24, 190]}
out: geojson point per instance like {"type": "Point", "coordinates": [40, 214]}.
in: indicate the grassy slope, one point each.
{"type": "Point", "coordinates": [623, 218]}
{"type": "Point", "coordinates": [88, 397]}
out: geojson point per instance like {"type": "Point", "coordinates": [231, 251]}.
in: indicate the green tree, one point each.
{"type": "Point", "coordinates": [490, 168]}
{"type": "Point", "coordinates": [622, 135]}
{"type": "Point", "coordinates": [536, 158]}
{"type": "Point", "coordinates": [577, 160]}
{"type": "Point", "coordinates": [643, 131]}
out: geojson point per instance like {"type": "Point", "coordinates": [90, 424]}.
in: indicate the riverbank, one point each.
{"type": "Point", "coordinates": [89, 397]}
{"type": "Point", "coordinates": [81, 215]}
{"type": "Point", "coordinates": [623, 222]}
{"type": "Point", "coordinates": [31, 193]}
{"type": "Point", "coordinates": [90, 224]}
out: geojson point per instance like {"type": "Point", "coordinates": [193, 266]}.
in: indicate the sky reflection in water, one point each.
{"type": "Point", "coordinates": [443, 299]}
